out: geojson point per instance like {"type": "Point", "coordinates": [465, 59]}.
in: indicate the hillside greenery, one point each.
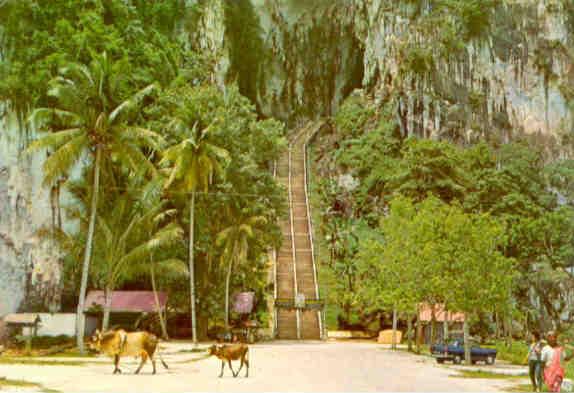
{"type": "Point", "coordinates": [367, 167]}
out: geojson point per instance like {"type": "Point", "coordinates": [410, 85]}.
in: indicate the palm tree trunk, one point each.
{"type": "Point", "coordinates": [157, 305]}
{"type": "Point", "coordinates": [433, 326]}
{"type": "Point", "coordinates": [445, 325]}
{"type": "Point", "coordinates": [394, 340]}
{"type": "Point", "coordinates": [466, 338]}
{"type": "Point", "coordinates": [191, 267]}
{"type": "Point", "coordinates": [227, 282]}
{"type": "Point", "coordinates": [418, 333]}
{"type": "Point", "coordinates": [107, 308]}
{"type": "Point", "coordinates": [410, 332]}
{"type": "Point", "coordinates": [80, 321]}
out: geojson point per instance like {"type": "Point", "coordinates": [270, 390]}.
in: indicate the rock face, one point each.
{"type": "Point", "coordinates": [507, 73]}
{"type": "Point", "coordinates": [29, 263]}
{"type": "Point", "coordinates": [299, 59]}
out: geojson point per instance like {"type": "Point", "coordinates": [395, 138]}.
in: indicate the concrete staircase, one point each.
{"type": "Point", "coordinates": [295, 270]}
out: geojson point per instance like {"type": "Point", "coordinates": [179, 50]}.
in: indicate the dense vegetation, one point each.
{"type": "Point", "coordinates": [160, 162]}
{"type": "Point", "coordinates": [421, 208]}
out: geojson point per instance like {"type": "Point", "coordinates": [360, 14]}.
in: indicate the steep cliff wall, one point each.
{"type": "Point", "coordinates": [29, 262]}
{"type": "Point", "coordinates": [504, 71]}
{"type": "Point", "coordinates": [515, 76]}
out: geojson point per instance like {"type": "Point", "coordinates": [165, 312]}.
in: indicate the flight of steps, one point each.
{"type": "Point", "coordinates": [294, 261]}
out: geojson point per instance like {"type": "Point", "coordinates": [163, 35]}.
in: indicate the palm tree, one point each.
{"type": "Point", "coordinates": [235, 241]}
{"type": "Point", "coordinates": [194, 162]}
{"type": "Point", "coordinates": [128, 235]}
{"type": "Point", "coordinates": [173, 267]}
{"type": "Point", "coordinates": [88, 120]}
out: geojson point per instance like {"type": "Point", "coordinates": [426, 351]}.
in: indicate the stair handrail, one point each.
{"type": "Point", "coordinates": [310, 221]}
{"type": "Point", "coordinates": [274, 258]}
{"type": "Point", "coordinates": [292, 225]}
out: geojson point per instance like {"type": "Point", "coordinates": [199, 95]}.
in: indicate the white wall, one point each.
{"type": "Point", "coordinates": [61, 324]}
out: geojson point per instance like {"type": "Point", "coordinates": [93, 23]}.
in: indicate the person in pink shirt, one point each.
{"type": "Point", "coordinates": [553, 355]}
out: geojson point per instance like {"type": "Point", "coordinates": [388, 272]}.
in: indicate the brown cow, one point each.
{"type": "Point", "coordinates": [229, 353]}
{"type": "Point", "coordinates": [117, 343]}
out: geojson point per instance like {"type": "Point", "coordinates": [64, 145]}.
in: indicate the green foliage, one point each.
{"type": "Point", "coordinates": [513, 183]}
{"type": "Point", "coordinates": [90, 113]}
{"type": "Point", "coordinates": [246, 45]}
{"type": "Point", "coordinates": [515, 353]}
{"type": "Point", "coordinates": [446, 246]}
{"type": "Point", "coordinates": [40, 36]}
{"type": "Point", "coordinates": [103, 73]}
{"type": "Point", "coordinates": [353, 115]}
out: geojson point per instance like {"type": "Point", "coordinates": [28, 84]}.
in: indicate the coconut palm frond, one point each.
{"type": "Point", "coordinates": [133, 157]}
{"type": "Point", "coordinates": [54, 140]}
{"type": "Point", "coordinates": [131, 103]}
{"type": "Point", "coordinates": [151, 191]}
{"type": "Point", "coordinates": [162, 238]}
{"type": "Point", "coordinates": [144, 137]}
{"type": "Point", "coordinates": [172, 267]}
{"type": "Point", "coordinates": [59, 163]}
{"type": "Point", "coordinates": [42, 117]}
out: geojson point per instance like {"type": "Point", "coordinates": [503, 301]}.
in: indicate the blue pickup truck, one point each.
{"type": "Point", "coordinates": [455, 352]}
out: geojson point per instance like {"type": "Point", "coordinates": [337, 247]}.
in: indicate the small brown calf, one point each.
{"type": "Point", "coordinates": [229, 353]}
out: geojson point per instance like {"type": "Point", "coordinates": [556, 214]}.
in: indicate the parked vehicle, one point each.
{"type": "Point", "coordinates": [455, 352]}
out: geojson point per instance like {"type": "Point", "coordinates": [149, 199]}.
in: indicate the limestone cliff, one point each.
{"type": "Point", "coordinates": [301, 58]}
{"type": "Point", "coordinates": [29, 263]}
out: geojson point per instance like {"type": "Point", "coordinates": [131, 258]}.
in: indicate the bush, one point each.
{"type": "Point", "coordinates": [515, 354]}
{"type": "Point", "coordinates": [44, 342]}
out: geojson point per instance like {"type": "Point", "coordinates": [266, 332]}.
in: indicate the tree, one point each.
{"type": "Point", "coordinates": [386, 268]}
{"type": "Point", "coordinates": [235, 241]}
{"type": "Point", "coordinates": [473, 250]}
{"type": "Point", "coordinates": [194, 163]}
{"type": "Point", "coordinates": [446, 246]}
{"type": "Point", "coordinates": [89, 117]}
{"type": "Point", "coordinates": [127, 235]}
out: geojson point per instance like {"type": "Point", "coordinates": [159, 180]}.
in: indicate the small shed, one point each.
{"type": "Point", "coordinates": [23, 320]}
{"type": "Point", "coordinates": [25, 325]}
{"type": "Point", "coordinates": [454, 320]}
{"type": "Point", "coordinates": [127, 307]}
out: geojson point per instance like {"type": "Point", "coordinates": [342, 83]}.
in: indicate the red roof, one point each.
{"type": "Point", "coordinates": [425, 314]}
{"type": "Point", "coordinates": [128, 301]}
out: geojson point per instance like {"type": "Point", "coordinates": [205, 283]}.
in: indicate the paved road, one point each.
{"type": "Point", "coordinates": [276, 367]}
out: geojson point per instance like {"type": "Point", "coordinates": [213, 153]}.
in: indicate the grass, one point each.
{"type": "Point", "coordinates": [72, 353]}
{"type": "Point", "coordinates": [40, 362]}
{"type": "Point", "coordinates": [192, 350]}
{"type": "Point", "coordinates": [12, 383]}
{"type": "Point", "coordinates": [485, 375]}
{"type": "Point", "coordinates": [515, 354]}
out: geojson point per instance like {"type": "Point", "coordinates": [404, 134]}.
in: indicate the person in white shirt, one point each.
{"type": "Point", "coordinates": [534, 363]}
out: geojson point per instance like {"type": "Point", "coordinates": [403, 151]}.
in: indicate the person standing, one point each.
{"type": "Point", "coordinates": [534, 358]}
{"type": "Point", "coordinates": [553, 355]}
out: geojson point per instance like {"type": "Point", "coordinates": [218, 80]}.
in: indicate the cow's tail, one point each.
{"type": "Point", "coordinates": [159, 355]}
